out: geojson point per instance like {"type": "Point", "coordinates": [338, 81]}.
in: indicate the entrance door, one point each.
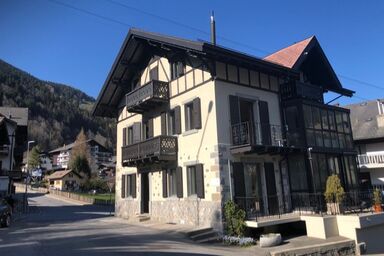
{"type": "Point", "coordinates": [144, 193]}
{"type": "Point", "coordinates": [273, 205]}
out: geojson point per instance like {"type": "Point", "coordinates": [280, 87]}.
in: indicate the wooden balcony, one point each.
{"type": "Point", "coordinates": [147, 97]}
{"type": "Point", "coordinates": [4, 149]}
{"type": "Point", "coordinates": [297, 89]}
{"type": "Point", "coordinates": [159, 149]}
{"type": "Point", "coordinates": [255, 137]}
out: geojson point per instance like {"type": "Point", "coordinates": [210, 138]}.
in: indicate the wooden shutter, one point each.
{"type": "Point", "coordinates": [238, 178]}
{"type": "Point", "coordinates": [264, 123]}
{"type": "Point", "coordinates": [136, 129]}
{"type": "Point", "coordinates": [177, 120]}
{"type": "Point", "coordinates": [123, 186]}
{"type": "Point", "coordinates": [179, 182]}
{"type": "Point", "coordinates": [196, 113]}
{"type": "Point", "coordinates": [234, 109]}
{"type": "Point", "coordinates": [163, 123]}
{"type": "Point", "coordinates": [150, 128]}
{"type": "Point", "coordinates": [133, 177]}
{"type": "Point", "coordinates": [124, 137]}
{"type": "Point", "coordinates": [165, 192]}
{"type": "Point", "coordinates": [200, 181]}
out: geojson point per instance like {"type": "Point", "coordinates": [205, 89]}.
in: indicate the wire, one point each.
{"type": "Point", "coordinates": [361, 82]}
{"type": "Point", "coordinates": [90, 13]}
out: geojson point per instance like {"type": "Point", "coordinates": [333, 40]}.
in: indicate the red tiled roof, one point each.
{"type": "Point", "coordinates": [288, 56]}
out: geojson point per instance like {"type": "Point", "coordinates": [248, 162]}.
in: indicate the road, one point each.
{"type": "Point", "coordinates": [55, 227]}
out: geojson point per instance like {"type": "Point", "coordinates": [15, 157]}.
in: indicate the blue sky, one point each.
{"type": "Point", "coordinates": [64, 43]}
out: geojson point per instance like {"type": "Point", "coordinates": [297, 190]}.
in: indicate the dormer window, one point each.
{"type": "Point", "coordinates": [177, 69]}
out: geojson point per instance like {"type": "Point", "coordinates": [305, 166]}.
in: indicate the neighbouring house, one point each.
{"type": "Point", "coordinates": [66, 180]}
{"type": "Point", "coordinates": [7, 147]}
{"type": "Point", "coordinates": [98, 153]}
{"type": "Point", "coordinates": [20, 116]}
{"type": "Point", "coordinates": [199, 124]}
{"type": "Point", "coordinates": [367, 119]}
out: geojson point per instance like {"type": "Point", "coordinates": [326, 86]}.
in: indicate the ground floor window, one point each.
{"type": "Point", "coordinates": [298, 174]}
{"type": "Point", "coordinates": [128, 186]}
{"type": "Point", "coordinates": [195, 180]}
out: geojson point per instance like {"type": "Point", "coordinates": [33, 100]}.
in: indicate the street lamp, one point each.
{"type": "Point", "coordinates": [26, 176]}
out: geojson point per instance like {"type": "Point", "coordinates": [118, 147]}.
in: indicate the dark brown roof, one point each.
{"type": "Point", "coordinates": [58, 175]}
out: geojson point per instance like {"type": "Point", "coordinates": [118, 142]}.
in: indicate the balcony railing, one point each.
{"type": "Point", "coordinates": [374, 160]}
{"type": "Point", "coordinates": [147, 96]}
{"type": "Point", "coordinates": [4, 149]}
{"type": "Point", "coordinates": [297, 89]}
{"type": "Point", "coordinates": [157, 149]}
{"type": "Point", "coordinates": [248, 133]}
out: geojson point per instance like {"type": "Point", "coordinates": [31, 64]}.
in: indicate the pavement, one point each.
{"type": "Point", "coordinates": [58, 227]}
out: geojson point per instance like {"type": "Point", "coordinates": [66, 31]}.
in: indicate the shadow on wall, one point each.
{"type": "Point", "coordinates": [210, 107]}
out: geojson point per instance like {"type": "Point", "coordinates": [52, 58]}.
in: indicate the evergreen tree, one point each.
{"type": "Point", "coordinates": [80, 155]}
{"type": "Point", "coordinates": [34, 158]}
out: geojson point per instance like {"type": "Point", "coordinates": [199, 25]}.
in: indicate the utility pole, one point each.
{"type": "Point", "coordinates": [26, 177]}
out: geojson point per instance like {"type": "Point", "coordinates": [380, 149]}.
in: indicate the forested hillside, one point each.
{"type": "Point", "coordinates": [57, 112]}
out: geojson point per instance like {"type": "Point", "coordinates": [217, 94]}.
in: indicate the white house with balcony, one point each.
{"type": "Point", "coordinates": [367, 120]}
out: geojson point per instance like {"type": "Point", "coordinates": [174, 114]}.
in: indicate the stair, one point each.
{"type": "Point", "coordinates": [142, 218]}
{"type": "Point", "coordinates": [203, 235]}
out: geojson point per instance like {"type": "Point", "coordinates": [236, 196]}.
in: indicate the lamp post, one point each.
{"type": "Point", "coordinates": [26, 176]}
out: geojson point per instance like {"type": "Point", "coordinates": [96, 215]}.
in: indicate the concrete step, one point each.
{"type": "Point", "coordinates": [203, 235]}
{"type": "Point", "coordinates": [212, 239]}
{"type": "Point", "coordinates": [198, 231]}
{"type": "Point", "coordinates": [142, 218]}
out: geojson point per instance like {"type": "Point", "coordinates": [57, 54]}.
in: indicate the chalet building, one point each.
{"type": "Point", "coordinates": [98, 153]}
{"type": "Point", "coordinates": [198, 124]}
{"type": "Point", "coordinates": [367, 119]}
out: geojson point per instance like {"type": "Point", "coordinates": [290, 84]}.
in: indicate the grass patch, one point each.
{"type": "Point", "coordinates": [104, 197]}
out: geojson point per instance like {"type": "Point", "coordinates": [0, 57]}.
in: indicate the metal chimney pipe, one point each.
{"type": "Point", "coordinates": [213, 29]}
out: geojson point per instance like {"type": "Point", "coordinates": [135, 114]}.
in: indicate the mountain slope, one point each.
{"type": "Point", "coordinates": [57, 112]}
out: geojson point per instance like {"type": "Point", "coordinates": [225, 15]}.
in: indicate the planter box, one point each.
{"type": "Point", "coordinates": [270, 240]}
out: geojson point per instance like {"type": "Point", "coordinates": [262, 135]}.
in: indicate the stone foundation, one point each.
{"type": "Point", "coordinates": [127, 208]}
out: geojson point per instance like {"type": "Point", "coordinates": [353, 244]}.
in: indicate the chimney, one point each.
{"type": "Point", "coordinates": [213, 29]}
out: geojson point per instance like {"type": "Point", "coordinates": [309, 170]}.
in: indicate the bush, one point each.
{"type": "Point", "coordinates": [334, 192]}
{"type": "Point", "coordinates": [242, 241]}
{"type": "Point", "coordinates": [377, 197]}
{"type": "Point", "coordinates": [235, 219]}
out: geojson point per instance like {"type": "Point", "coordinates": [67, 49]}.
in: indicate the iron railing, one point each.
{"type": "Point", "coordinates": [297, 89]}
{"type": "Point", "coordinates": [157, 91]}
{"type": "Point", "coordinates": [160, 146]}
{"type": "Point", "coordinates": [372, 159]}
{"type": "Point", "coordinates": [296, 204]}
{"type": "Point", "coordinates": [249, 133]}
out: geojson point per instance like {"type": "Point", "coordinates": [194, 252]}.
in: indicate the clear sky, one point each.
{"type": "Point", "coordinates": [76, 41]}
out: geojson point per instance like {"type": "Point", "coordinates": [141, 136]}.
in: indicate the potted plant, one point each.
{"type": "Point", "coordinates": [334, 195]}
{"type": "Point", "coordinates": [377, 200]}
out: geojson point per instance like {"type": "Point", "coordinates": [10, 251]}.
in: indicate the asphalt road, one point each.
{"type": "Point", "coordinates": [55, 227]}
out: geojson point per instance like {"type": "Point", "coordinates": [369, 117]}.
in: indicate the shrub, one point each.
{"type": "Point", "coordinates": [334, 192]}
{"type": "Point", "coordinates": [242, 241]}
{"type": "Point", "coordinates": [235, 219]}
{"type": "Point", "coordinates": [95, 183]}
{"type": "Point", "coordinates": [377, 197]}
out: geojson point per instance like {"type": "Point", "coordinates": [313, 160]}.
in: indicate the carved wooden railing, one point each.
{"type": "Point", "coordinates": [154, 90]}
{"type": "Point", "coordinates": [154, 147]}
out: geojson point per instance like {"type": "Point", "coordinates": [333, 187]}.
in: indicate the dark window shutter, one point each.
{"type": "Point", "coordinates": [177, 120]}
{"type": "Point", "coordinates": [133, 177]}
{"type": "Point", "coordinates": [238, 178]}
{"type": "Point", "coordinates": [200, 181]}
{"type": "Point", "coordinates": [197, 113]}
{"type": "Point", "coordinates": [234, 109]}
{"type": "Point", "coordinates": [136, 129]}
{"type": "Point", "coordinates": [165, 192]}
{"type": "Point", "coordinates": [124, 137]}
{"type": "Point", "coordinates": [150, 128]}
{"type": "Point", "coordinates": [179, 182]}
{"type": "Point", "coordinates": [264, 123]}
{"type": "Point", "coordinates": [123, 186]}
{"type": "Point", "coordinates": [163, 123]}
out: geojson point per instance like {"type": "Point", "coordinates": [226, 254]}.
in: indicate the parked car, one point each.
{"type": "Point", "coordinates": [5, 213]}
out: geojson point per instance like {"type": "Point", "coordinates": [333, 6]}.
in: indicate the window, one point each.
{"type": "Point", "coordinates": [171, 182]}
{"type": "Point", "coordinates": [154, 73]}
{"type": "Point", "coordinates": [128, 186]}
{"type": "Point", "coordinates": [298, 174]}
{"type": "Point", "coordinates": [177, 69]}
{"type": "Point", "coordinates": [192, 111]}
{"type": "Point", "coordinates": [171, 123]}
{"type": "Point", "coordinates": [130, 135]}
{"type": "Point", "coordinates": [189, 117]}
{"type": "Point", "coordinates": [195, 180]}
